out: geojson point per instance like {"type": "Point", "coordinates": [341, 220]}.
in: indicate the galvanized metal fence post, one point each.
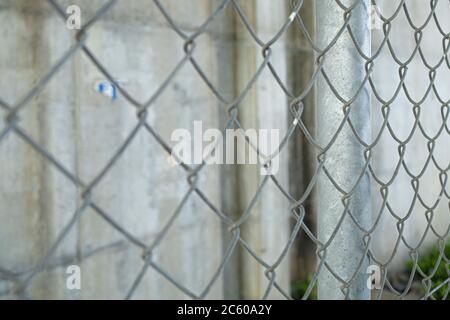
{"type": "Point", "coordinates": [343, 274]}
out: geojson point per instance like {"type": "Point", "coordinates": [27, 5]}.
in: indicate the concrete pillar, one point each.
{"type": "Point", "coordinates": [302, 160]}
{"type": "Point", "coordinates": [265, 107]}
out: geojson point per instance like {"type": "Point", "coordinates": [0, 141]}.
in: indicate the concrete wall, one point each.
{"type": "Point", "coordinates": [401, 119]}
{"type": "Point", "coordinates": [265, 107]}
{"type": "Point", "coordinates": [83, 129]}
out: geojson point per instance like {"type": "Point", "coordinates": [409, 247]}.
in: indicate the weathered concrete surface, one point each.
{"type": "Point", "coordinates": [83, 129]}
{"type": "Point", "coordinates": [265, 107]}
{"type": "Point", "coordinates": [31, 211]}
{"type": "Point", "coordinates": [401, 119]}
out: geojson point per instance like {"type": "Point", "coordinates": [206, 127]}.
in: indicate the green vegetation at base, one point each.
{"type": "Point", "coordinates": [427, 263]}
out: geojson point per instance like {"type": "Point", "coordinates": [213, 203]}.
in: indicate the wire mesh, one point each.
{"type": "Point", "coordinates": [22, 280]}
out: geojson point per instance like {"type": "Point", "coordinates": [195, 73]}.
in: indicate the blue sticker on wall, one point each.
{"type": "Point", "coordinates": [107, 89]}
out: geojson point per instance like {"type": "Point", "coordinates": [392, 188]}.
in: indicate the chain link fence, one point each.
{"type": "Point", "coordinates": [361, 107]}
